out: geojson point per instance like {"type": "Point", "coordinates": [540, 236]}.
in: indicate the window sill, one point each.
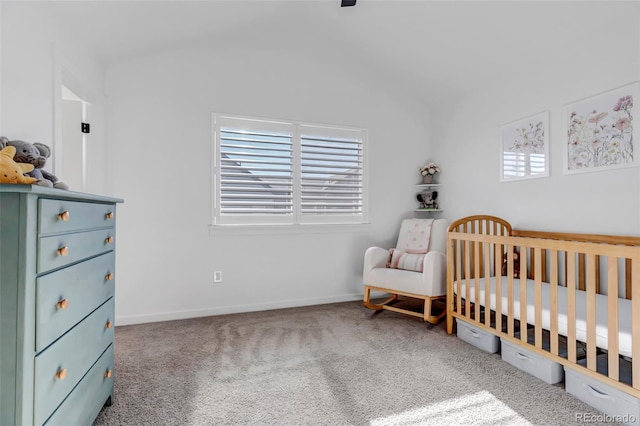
{"type": "Point", "coordinates": [222, 230]}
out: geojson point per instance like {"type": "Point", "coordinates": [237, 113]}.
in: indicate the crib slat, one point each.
{"type": "Point", "coordinates": [597, 260]}
{"type": "Point", "coordinates": [538, 297]}
{"type": "Point", "coordinates": [612, 321]}
{"type": "Point", "coordinates": [472, 230]}
{"type": "Point", "coordinates": [450, 279]}
{"type": "Point", "coordinates": [523, 292]}
{"type": "Point", "coordinates": [487, 284]}
{"type": "Point", "coordinates": [571, 306]}
{"type": "Point", "coordinates": [482, 225]}
{"type": "Point", "coordinates": [628, 276]}
{"type": "Point", "coordinates": [524, 267]}
{"type": "Point", "coordinates": [635, 324]}
{"type": "Point", "coordinates": [566, 269]}
{"type": "Point", "coordinates": [467, 286]}
{"type": "Point", "coordinates": [510, 295]}
{"type": "Point", "coordinates": [476, 278]}
{"type": "Point", "coordinates": [458, 306]}
{"type": "Point", "coordinates": [591, 311]}
{"type": "Point", "coordinates": [553, 301]}
{"type": "Point", "coordinates": [497, 259]}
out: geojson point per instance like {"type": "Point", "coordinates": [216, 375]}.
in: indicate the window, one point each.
{"type": "Point", "coordinates": [276, 172]}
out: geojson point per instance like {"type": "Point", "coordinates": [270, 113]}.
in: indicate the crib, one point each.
{"type": "Point", "coordinates": [578, 290]}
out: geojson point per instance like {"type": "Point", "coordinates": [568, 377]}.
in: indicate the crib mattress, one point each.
{"type": "Point", "coordinates": [602, 328]}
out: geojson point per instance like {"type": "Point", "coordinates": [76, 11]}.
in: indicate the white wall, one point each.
{"type": "Point", "coordinates": [26, 76]}
{"type": "Point", "coordinates": [159, 115]}
{"type": "Point", "coordinates": [37, 56]}
{"type": "Point", "coordinates": [158, 118]}
{"type": "Point", "coordinates": [160, 111]}
{"type": "Point", "coordinates": [468, 134]}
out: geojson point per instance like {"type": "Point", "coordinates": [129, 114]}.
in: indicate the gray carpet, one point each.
{"type": "Point", "coordinates": [335, 364]}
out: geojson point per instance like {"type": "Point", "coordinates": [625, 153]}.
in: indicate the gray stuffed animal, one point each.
{"type": "Point", "coordinates": [36, 154]}
{"type": "Point", "coordinates": [428, 199]}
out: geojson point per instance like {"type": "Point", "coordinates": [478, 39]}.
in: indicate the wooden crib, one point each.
{"type": "Point", "coordinates": [579, 289]}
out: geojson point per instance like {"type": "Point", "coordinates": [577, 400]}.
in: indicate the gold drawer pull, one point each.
{"type": "Point", "coordinates": [64, 216]}
{"type": "Point", "coordinates": [63, 251]}
{"type": "Point", "coordinates": [109, 276]}
{"type": "Point", "coordinates": [109, 324]}
{"type": "Point", "coordinates": [61, 374]}
{"type": "Point", "coordinates": [108, 240]}
{"type": "Point", "coordinates": [107, 374]}
{"type": "Point", "coordinates": [109, 215]}
{"type": "Point", "coordinates": [63, 304]}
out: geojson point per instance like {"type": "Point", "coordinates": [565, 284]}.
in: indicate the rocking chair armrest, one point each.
{"type": "Point", "coordinates": [435, 273]}
{"type": "Point", "coordinates": [375, 257]}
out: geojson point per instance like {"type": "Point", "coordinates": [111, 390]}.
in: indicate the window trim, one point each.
{"type": "Point", "coordinates": [297, 219]}
{"type": "Point", "coordinates": [303, 228]}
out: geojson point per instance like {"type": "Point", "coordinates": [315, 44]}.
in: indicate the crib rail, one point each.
{"type": "Point", "coordinates": [484, 225]}
{"type": "Point", "coordinates": [592, 238]}
{"type": "Point", "coordinates": [596, 265]}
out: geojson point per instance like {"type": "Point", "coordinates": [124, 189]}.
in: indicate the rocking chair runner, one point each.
{"type": "Point", "coordinates": [428, 285]}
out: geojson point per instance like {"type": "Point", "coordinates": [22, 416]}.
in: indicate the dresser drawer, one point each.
{"type": "Point", "coordinates": [61, 366]}
{"type": "Point", "coordinates": [65, 216]}
{"type": "Point", "coordinates": [65, 297]}
{"type": "Point", "coordinates": [83, 404]}
{"type": "Point", "coordinates": [60, 250]}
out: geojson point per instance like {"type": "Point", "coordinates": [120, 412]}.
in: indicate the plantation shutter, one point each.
{"type": "Point", "coordinates": [255, 171]}
{"type": "Point", "coordinates": [331, 174]}
{"type": "Point", "coordinates": [513, 164]}
{"type": "Point", "coordinates": [520, 164]}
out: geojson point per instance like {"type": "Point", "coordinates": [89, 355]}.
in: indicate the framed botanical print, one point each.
{"type": "Point", "coordinates": [601, 132]}
{"type": "Point", "coordinates": [524, 148]}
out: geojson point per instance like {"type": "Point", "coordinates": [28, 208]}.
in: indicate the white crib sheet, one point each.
{"type": "Point", "coordinates": [602, 329]}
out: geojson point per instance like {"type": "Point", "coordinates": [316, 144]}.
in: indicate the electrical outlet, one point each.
{"type": "Point", "coordinates": [217, 277]}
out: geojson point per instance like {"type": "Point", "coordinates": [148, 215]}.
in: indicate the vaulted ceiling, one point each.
{"type": "Point", "coordinates": [432, 49]}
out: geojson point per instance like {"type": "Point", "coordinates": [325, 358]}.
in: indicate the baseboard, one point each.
{"type": "Point", "coordinates": [234, 309]}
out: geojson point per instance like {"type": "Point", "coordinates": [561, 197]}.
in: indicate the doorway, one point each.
{"type": "Point", "coordinates": [74, 111]}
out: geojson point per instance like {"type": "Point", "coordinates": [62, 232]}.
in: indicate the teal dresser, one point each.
{"type": "Point", "coordinates": [57, 287]}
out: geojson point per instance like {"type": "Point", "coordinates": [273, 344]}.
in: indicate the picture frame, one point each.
{"type": "Point", "coordinates": [600, 132]}
{"type": "Point", "coordinates": [524, 148]}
